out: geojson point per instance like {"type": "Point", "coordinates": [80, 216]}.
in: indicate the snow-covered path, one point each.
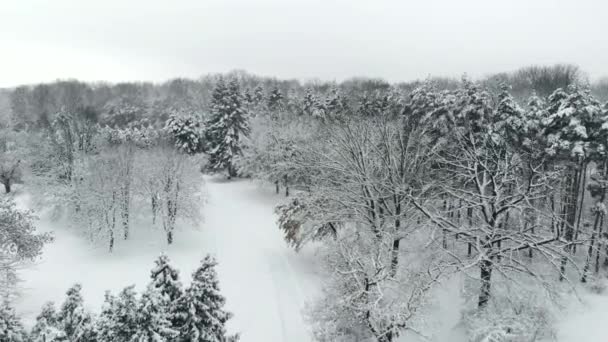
{"type": "Point", "coordinates": [265, 282]}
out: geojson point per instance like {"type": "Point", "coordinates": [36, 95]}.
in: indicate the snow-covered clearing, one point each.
{"type": "Point", "coordinates": [265, 282]}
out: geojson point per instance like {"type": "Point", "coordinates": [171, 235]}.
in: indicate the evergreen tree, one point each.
{"type": "Point", "coordinates": [248, 97]}
{"type": "Point", "coordinates": [166, 278]}
{"type": "Point", "coordinates": [509, 117]}
{"type": "Point", "coordinates": [73, 319]}
{"type": "Point", "coordinates": [258, 95]}
{"type": "Point", "coordinates": [187, 132]}
{"type": "Point", "coordinates": [153, 319]}
{"type": "Point", "coordinates": [46, 328]}
{"type": "Point", "coordinates": [105, 323]}
{"type": "Point", "coordinates": [11, 329]}
{"type": "Point", "coordinates": [125, 314]}
{"type": "Point", "coordinates": [275, 99]}
{"type": "Point", "coordinates": [201, 307]}
{"type": "Point", "coordinates": [310, 103]}
{"type": "Point", "coordinates": [226, 128]}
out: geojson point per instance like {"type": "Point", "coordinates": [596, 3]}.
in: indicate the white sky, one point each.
{"type": "Point", "coordinates": [122, 40]}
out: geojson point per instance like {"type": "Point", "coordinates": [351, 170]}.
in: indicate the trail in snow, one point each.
{"type": "Point", "coordinates": [265, 282]}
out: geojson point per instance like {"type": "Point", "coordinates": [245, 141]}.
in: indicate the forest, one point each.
{"type": "Point", "coordinates": [500, 181]}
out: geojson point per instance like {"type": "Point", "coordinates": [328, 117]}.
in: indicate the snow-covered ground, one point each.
{"type": "Point", "coordinates": [265, 282]}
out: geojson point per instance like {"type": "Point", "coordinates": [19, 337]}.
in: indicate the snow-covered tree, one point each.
{"type": "Point", "coordinates": [119, 318]}
{"type": "Point", "coordinates": [187, 131]}
{"type": "Point", "coordinates": [96, 197]}
{"type": "Point", "coordinates": [275, 99]}
{"type": "Point", "coordinates": [19, 243]}
{"type": "Point", "coordinates": [165, 278]}
{"type": "Point", "coordinates": [227, 127]}
{"type": "Point", "coordinates": [73, 319]}
{"type": "Point", "coordinates": [10, 160]}
{"type": "Point", "coordinates": [153, 318]}
{"type": "Point", "coordinates": [11, 329]}
{"type": "Point", "coordinates": [47, 328]}
{"type": "Point", "coordinates": [105, 324]}
{"type": "Point", "coordinates": [201, 309]}
{"type": "Point", "coordinates": [258, 95]}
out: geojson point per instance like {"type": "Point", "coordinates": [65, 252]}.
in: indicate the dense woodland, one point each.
{"type": "Point", "coordinates": [500, 180]}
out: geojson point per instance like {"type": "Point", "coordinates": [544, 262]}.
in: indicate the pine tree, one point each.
{"type": "Point", "coordinates": [73, 318]}
{"type": "Point", "coordinates": [11, 329]}
{"type": "Point", "coordinates": [226, 128]}
{"type": "Point", "coordinates": [310, 103]}
{"type": "Point", "coordinates": [275, 99]}
{"type": "Point", "coordinates": [125, 314]}
{"type": "Point", "coordinates": [46, 328]}
{"type": "Point", "coordinates": [509, 118]}
{"type": "Point", "coordinates": [153, 319]}
{"type": "Point", "coordinates": [166, 278]}
{"type": "Point", "coordinates": [105, 325]}
{"type": "Point", "coordinates": [118, 319]}
{"type": "Point", "coordinates": [187, 132]}
{"type": "Point", "coordinates": [258, 95]}
{"type": "Point", "coordinates": [201, 307]}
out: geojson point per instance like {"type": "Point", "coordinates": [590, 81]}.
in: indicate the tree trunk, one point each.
{"type": "Point", "coordinates": [485, 275]}
{"type": "Point", "coordinates": [125, 212]}
{"type": "Point", "coordinates": [596, 224]}
{"type": "Point", "coordinates": [7, 186]}
{"type": "Point", "coordinates": [395, 257]}
{"type": "Point", "coordinates": [570, 212]}
{"type": "Point", "coordinates": [169, 236]}
{"type": "Point", "coordinates": [581, 187]}
{"type": "Point", "coordinates": [154, 208]}
{"type": "Point", "coordinates": [276, 184]}
{"type": "Point", "coordinates": [470, 221]}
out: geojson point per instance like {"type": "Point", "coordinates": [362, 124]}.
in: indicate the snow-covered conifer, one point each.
{"type": "Point", "coordinates": [72, 318]}
{"type": "Point", "coordinates": [227, 127]}
{"type": "Point", "coordinates": [118, 319]}
{"type": "Point", "coordinates": [165, 278]}
{"type": "Point", "coordinates": [201, 309]}
{"type": "Point", "coordinates": [187, 132]}
{"type": "Point", "coordinates": [275, 99]}
{"type": "Point", "coordinates": [153, 318]}
{"type": "Point", "coordinates": [11, 329]}
{"type": "Point", "coordinates": [46, 328]}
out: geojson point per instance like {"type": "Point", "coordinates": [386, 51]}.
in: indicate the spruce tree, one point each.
{"type": "Point", "coordinates": [46, 328]}
{"type": "Point", "coordinates": [153, 319]}
{"type": "Point", "coordinates": [125, 314]}
{"type": "Point", "coordinates": [166, 278]}
{"type": "Point", "coordinates": [227, 126]}
{"type": "Point", "coordinates": [72, 318]}
{"type": "Point", "coordinates": [275, 99]}
{"type": "Point", "coordinates": [105, 325]}
{"type": "Point", "coordinates": [310, 103]}
{"type": "Point", "coordinates": [258, 95]}
{"type": "Point", "coordinates": [509, 117]}
{"type": "Point", "coordinates": [11, 329]}
{"type": "Point", "coordinates": [202, 307]}
{"type": "Point", "coordinates": [187, 132]}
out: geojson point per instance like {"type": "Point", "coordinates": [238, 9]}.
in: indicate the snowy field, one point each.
{"type": "Point", "coordinates": [265, 282]}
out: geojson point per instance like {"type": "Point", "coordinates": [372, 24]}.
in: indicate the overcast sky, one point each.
{"type": "Point", "coordinates": [122, 40]}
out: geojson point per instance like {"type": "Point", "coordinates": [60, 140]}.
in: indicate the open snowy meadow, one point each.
{"type": "Point", "coordinates": [265, 282]}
